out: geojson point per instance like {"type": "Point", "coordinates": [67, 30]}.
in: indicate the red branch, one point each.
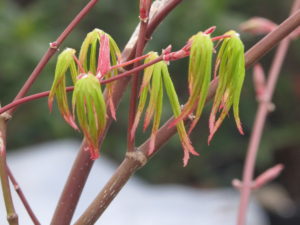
{"type": "Point", "coordinates": [22, 197]}
{"type": "Point", "coordinates": [144, 18]}
{"type": "Point", "coordinates": [52, 50]}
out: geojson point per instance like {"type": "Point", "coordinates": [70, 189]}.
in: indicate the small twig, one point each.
{"type": "Point", "coordinates": [12, 216]}
{"type": "Point", "coordinates": [29, 98]}
{"type": "Point", "coordinates": [22, 197]}
{"type": "Point", "coordinates": [267, 176]}
{"type": "Point", "coordinates": [141, 41]}
{"type": "Point", "coordinates": [52, 50]}
{"type": "Point", "coordinates": [273, 38]}
{"type": "Point", "coordinates": [259, 81]}
{"type": "Point", "coordinates": [264, 178]}
{"type": "Point", "coordinates": [261, 115]}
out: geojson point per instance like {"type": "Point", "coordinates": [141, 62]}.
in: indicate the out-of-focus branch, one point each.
{"type": "Point", "coordinates": [12, 216]}
{"type": "Point", "coordinates": [22, 197]}
{"type": "Point", "coordinates": [260, 118]}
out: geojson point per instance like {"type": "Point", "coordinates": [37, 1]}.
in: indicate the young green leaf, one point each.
{"type": "Point", "coordinates": [199, 76]}
{"type": "Point", "coordinates": [90, 45]}
{"type": "Point", "coordinates": [65, 62]}
{"type": "Point", "coordinates": [145, 86]}
{"type": "Point", "coordinates": [115, 54]}
{"type": "Point", "coordinates": [231, 70]}
{"type": "Point", "coordinates": [154, 93]}
{"type": "Point", "coordinates": [108, 52]}
{"type": "Point", "coordinates": [173, 98]}
{"type": "Point", "coordinates": [157, 117]}
{"type": "Point", "coordinates": [90, 109]}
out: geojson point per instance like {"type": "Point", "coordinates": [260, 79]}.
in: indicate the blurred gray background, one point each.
{"type": "Point", "coordinates": [27, 27]}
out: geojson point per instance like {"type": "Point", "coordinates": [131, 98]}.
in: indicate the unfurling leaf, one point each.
{"type": "Point", "coordinates": [231, 77]}
{"type": "Point", "coordinates": [145, 86]}
{"type": "Point", "coordinates": [115, 56]}
{"type": "Point", "coordinates": [156, 120]}
{"type": "Point", "coordinates": [65, 63]}
{"type": "Point", "coordinates": [88, 102]}
{"type": "Point", "coordinates": [199, 76]}
{"type": "Point", "coordinates": [89, 45]}
{"type": "Point", "coordinates": [90, 109]}
{"type": "Point", "coordinates": [173, 98]}
{"type": "Point", "coordinates": [152, 73]}
{"type": "Point", "coordinates": [154, 93]}
{"type": "Point", "coordinates": [108, 52]}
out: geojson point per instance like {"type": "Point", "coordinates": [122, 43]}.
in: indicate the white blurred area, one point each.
{"type": "Point", "coordinates": [42, 170]}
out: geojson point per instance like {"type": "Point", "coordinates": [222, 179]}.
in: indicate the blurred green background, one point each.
{"type": "Point", "coordinates": [28, 26]}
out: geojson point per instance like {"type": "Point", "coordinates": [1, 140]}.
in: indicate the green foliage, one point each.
{"type": "Point", "coordinates": [65, 62]}
{"type": "Point", "coordinates": [87, 100]}
{"type": "Point", "coordinates": [231, 64]}
{"type": "Point", "coordinates": [90, 109]}
{"type": "Point", "coordinates": [173, 98]}
{"type": "Point", "coordinates": [199, 76]}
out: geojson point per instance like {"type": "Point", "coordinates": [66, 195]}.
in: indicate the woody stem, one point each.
{"type": "Point", "coordinates": [135, 79]}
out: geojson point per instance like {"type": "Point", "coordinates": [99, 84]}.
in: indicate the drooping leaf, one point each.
{"type": "Point", "coordinates": [108, 55]}
{"type": "Point", "coordinates": [199, 76]}
{"type": "Point", "coordinates": [157, 117]}
{"type": "Point", "coordinates": [145, 86]}
{"type": "Point", "coordinates": [115, 54]}
{"type": "Point", "coordinates": [65, 63]}
{"type": "Point", "coordinates": [231, 77]}
{"type": "Point", "coordinates": [173, 98]}
{"type": "Point", "coordinates": [148, 71]}
{"type": "Point", "coordinates": [90, 45]}
{"type": "Point", "coordinates": [154, 93]}
{"type": "Point", "coordinates": [88, 102]}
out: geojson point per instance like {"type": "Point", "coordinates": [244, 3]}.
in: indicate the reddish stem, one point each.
{"type": "Point", "coordinates": [124, 64]}
{"type": "Point", "coordinates": [144, 13]}
{"type": "Point", "coordinates": [259, 123]}
{"type": "Point", "coordinates": [22, 197]}
{"type": "Point", "coordinates": [81, 69]}
{"type": "Point", "coordinates": [52, 50]}
{"type": "Point", "coordinates": [267, 176]}
{"type": "Point", "coordinates": [12, 216]}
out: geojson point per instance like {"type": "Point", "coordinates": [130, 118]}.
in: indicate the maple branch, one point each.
{"type": "Point", "coordinates": [137, 159]}
{"type": "Point", "coordinates": [83, 163]}
{"type": "Point", "coordinates": [22, 197]}
{"type": "Point", "coordinates": [12, 216]}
